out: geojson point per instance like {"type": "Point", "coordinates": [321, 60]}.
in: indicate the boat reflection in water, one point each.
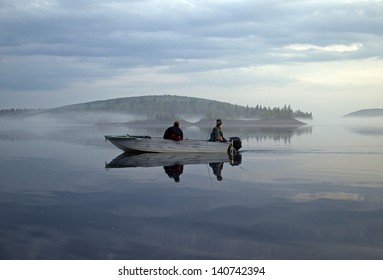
{"type": "Point", "coordinates": [173, 164]}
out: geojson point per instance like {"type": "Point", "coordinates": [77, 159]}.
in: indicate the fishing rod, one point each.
{"type": "Point", "coordinates": [211, 124]}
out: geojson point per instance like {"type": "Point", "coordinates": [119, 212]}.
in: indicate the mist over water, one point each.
{"type": "Point", "coordinates": [315, 192]}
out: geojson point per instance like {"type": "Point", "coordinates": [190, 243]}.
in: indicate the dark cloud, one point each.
{"type": "Point", "coordinates": [144, 27]}
{"type": "Point", "coordinates": [120, 35]}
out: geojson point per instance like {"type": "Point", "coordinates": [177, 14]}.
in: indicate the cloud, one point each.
{"type": "Point", "coordinates": [52, 45]}
{"type": "Point", "coordinates": [330, 48]}
{"type": "Point", "coordinates": [166, 30]}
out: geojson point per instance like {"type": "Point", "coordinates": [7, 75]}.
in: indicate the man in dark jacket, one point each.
{"type": "Point", "coordinates": [174, 132]}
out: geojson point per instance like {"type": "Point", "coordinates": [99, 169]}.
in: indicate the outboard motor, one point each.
{"type": "Point", "coordinates": [237, 143]}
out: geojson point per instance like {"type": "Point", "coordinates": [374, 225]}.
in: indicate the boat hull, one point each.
{"type": "Point", "coordinates": [158, 145]}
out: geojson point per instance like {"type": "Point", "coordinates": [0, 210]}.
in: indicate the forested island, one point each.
{"type": "Point", "coordinates": [168, 108]}
{"type": "Point", "coordinates": [366, 113]}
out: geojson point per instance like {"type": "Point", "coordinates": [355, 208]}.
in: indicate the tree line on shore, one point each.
{"type": "Point", "coordinates": [170, 107]}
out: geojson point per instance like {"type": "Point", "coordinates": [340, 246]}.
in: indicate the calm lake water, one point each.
{"type": "Point", "coordinates": [315, 192]}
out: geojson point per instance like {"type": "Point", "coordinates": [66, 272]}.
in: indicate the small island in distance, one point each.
{"type": "Point", "coordinates": [154, 109]}
{"type": "Point", "coordinates": [366, 113]}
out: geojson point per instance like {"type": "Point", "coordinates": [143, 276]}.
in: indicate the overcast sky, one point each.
{"type": "Point", "coordinates": [319, 56]}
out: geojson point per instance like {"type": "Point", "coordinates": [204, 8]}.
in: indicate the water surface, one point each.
{"type": "Point", "coordinates": [315, 192]}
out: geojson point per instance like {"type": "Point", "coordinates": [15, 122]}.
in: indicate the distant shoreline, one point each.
{"type": "Point", "coordinates": [365, 113]}
{"type": "Point", "coordinates": [269, 123]}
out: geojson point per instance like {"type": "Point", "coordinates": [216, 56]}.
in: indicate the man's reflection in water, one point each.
{"type": "Point", "coordinates": [174, 171]}
{"type": "Point", "coordinates": [217, 169]}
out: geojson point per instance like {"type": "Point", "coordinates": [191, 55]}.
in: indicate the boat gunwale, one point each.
{"type": "Point", "coordinates": [202, 146]}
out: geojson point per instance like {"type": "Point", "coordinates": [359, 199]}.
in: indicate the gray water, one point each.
{"type": "Point", "coordinates": [315, 192]}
